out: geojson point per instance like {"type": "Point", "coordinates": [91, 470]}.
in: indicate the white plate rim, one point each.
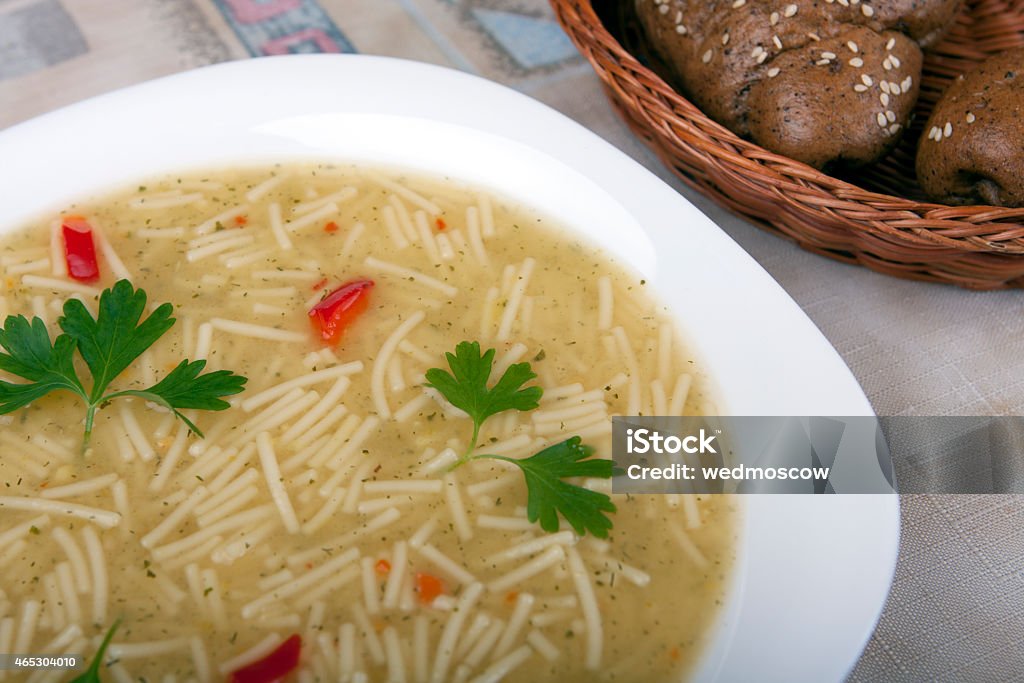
{"type": "Point", "coordinates": [750, 640]}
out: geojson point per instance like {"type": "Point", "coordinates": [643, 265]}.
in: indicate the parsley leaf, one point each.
{"type": "Point", "coordinates": [109, 344]}
{"type": "Point", "coordinates": [185, 388]}
{"type": "Point", "coordinates": [549, 495]}
{"type": "Point", "coordinates": [465, 386]}
{"type": "Point", "coordinates": [31, 356]}
{"type": "Point", "coordinates": [92, 674]}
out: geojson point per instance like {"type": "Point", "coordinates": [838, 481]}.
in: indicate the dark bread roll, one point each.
{"type": "Point", "coordinates": [821, 81]}
{"type": "Point", "coordinates": [972, 150]}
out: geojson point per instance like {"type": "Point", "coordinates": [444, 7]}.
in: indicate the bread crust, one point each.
{"type": "Point", "coordinates": [972, 149]}
{"type": "Point", "coordinates": [826, 83]}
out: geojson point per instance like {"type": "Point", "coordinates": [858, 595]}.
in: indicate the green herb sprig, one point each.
{"type": "Point", "coordinates": [465, 387]}
{"type": "Point", "coordinates": [109, 344]}
{"type": "Point", "coordinates": [92, 674]}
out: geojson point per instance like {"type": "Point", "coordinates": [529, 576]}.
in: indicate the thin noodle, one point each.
{"type": "Point", "coordinates": [30, 610]}
{"type": "Point", "coordinates": [143, 650]}
{"type": "Point", "coordinates": [104, 518]}
{"type": "Point", "coordinates": [393, 651]}
{"type": "Point", "coordinates": [371, 592]}
{"type": "Point", "coordinates": [373, 644]}
{"type": "Point", "coordinates": [134, 431]}
{"type": "Point", "coordinates": [355, 442]}
{"type": "Point", "coordinates": [450, 634]}
{"type": "Point", "coordinates": [98, 569]}
{"type": "Point", "coordinates": [453, 497]}
{"type": "Point", "coordinates": [272, 475]}
{"type": "Point", "coordinates": [54, 602]}
{"type": "Point", "coordinates": [114, 261]}
{"type": "Point", "coordinates": [383, 356]}
{"type": "Point", "coordinates": [250, 516]}
{"type": "Point", "coordinates": [420, 649]}
{"type": "Point", "coordinates": [355, 488]}
{"type": "Point", "coordinates": [591, 613]}
{"type": "Point", "coordinates": [55, 285]}
{"type": "Point", "coordinates": [79, 568]}
{"type": "Point", "coordinates": [346, 650]}
{"type": "Point", "coordinates": [404, 219]}
{"type": "Point", "coordinates": [268, 395]}
{"type": "Point", "coordinates": [473, 633]}
{"type": "Point", "coordinates": [426, 236]}
{"type": "Point", "coordinates": [59, 266]}
{"type": "Point", "coordinates": [518, 619]}
{"type": "Point", "coordinates": [253, 654]}
{"type": "Point", "coordinates": [549, 558]}
{"type": "Point", "coordinates": [405, 193]}
{"type": "Point", "coordinates": [487, 317]}
{"type": "Point", "coordinates": [302, 583]}
{"type": "Point", "coordinates": [312, 218]}
{"type": "Point", "coordinates": [40, 265]}
{"type": "Point", "coordinates": [227, 491]}
{"type": "Point", "coordinates": [476, 242]}
{"type": "Point", "coordinates": [411, 408]}
{"type": "Point", "coordinates": [258, 191]}
{"type": "Point", "coordinates": [411, 274]}
{"type": "Point", "coordinates": [399, 560]}
{"type": "Point", "coordinates": [350, 242]}
{"type": "Point", "coordinates": [532, 546]}
{"type": "Point", "coordinates": [218, 247]}
{"type": "Point", "coordinates": [329, 401]}
{"type": "Point", "coordinates": [19, 530]}
{"type": "Point", "coordinates": [486, 215]}
{"type": "Point", "coordinates": [277, 226]}
{"type": "Point", "coordinates": [257, 331]}
{"type": "Point", "coordinates": [200, 660]}
{"type": "Point", "coordinates": [340, 197]}
{"type": "Point", "coordinates": [679, 394]}
{"type": "Point", "coordinates": [210, 224]}
{"type": "Point", "coordinates": [393, 228]}
{"type": "Point", "coordinates": [325, 513]}
{"type": "Point", "coordinates": [334, 443]}
{"type": "Point", "coordinates": [515, 299]}
{"type": "Point", "coordinates": [227, 507]}
{"type": "Point", "coordinates": [168, 524]}
{"type": "Point", "coordinates": [485, 644]}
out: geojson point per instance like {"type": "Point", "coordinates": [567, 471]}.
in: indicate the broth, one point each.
{"type": "Point", "coordinates": [207, 570]}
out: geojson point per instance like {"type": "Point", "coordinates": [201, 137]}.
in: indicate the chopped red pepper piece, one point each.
{"type": "Point", "coordinates": [428, 587]}
{"type": "Point", "coordinates": [383, 567]}
{"type": "Point", "coordinates": [441, 225]}
{"type": "Point", "coordinates": [79, 249]}
{"type": "Point", "coordinates": [241, 220]}
{"type": "Point", "coordinates": [331, 227]}
{"type": "Point", "coordinates": [336, 312]}
{"type": "Point", "coordinates": [278, 664]}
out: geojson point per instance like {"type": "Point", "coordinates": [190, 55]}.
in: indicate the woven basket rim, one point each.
{"type": "Point", "coordinates": [627, 59]}
{"type": "Point", "coordinates": [945, 222]}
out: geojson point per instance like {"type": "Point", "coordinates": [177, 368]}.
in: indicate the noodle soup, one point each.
{"type": "Point", "coordinates": [329, 501]}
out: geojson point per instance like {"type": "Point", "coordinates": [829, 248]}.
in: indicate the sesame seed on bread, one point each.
{"type": "Point", "coordinates": [972, 149]}
{"type": "Point", "coordinates": [826, 82]}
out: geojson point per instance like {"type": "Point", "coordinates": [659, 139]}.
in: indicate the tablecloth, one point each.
{"type": "Point", "coordinates": [956, 609]}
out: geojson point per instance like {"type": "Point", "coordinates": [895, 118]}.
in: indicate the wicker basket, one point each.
{"type": "Point", "coordinates": [882, 221]}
